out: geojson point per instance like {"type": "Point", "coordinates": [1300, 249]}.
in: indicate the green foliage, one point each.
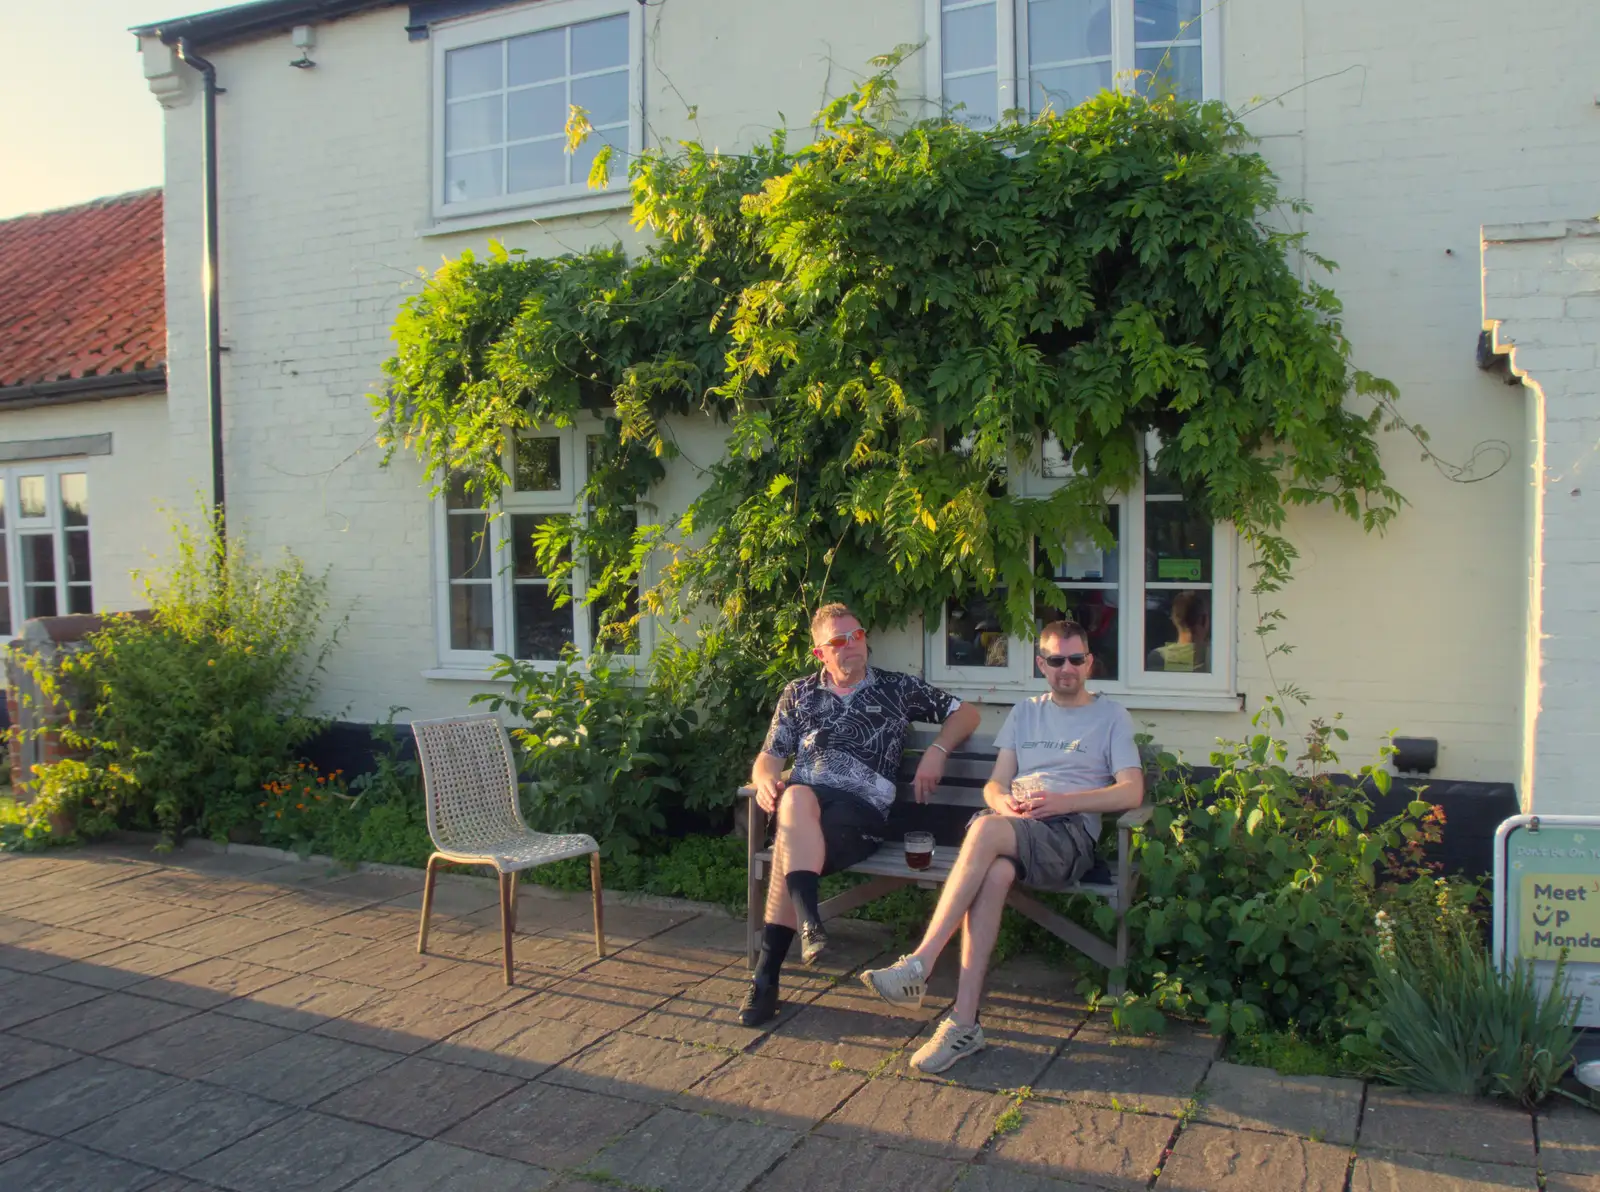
{"type": "Point", "coordinates": [854, 307]}
{"type": "Point", "coordinates": [1256, 890]}
{"type": "Point", "coordinates": [592, 742]}
{"type": "Point", "coordinates": [180, 717]}
{"type": "Point", "coordinates": [1289, 1052]}
{"type": "Point", "coordinates": [703, 868]}
{"type": "Point", "coordinates": [1444, 1020]}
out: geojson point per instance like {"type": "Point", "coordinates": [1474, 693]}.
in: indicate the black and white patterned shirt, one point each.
{"type": "Point", "coordinates": [853, 742]}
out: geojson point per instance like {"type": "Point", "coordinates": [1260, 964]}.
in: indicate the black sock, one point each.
{"type": "Point", "coordinates": [803, 893]}
{"type": "Point", "coordinates": [775, 941]}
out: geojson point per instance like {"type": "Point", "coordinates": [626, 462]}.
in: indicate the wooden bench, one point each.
{"type": "Point", "coordinates": [965, 773]}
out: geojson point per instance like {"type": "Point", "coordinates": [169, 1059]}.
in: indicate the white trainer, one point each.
{"type": "Point", "coordinates": [903, 983]}
{"type": "Point", "coordinates": [951, 1042]}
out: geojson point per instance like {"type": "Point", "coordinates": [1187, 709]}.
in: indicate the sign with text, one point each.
{"type": "Point", "coordinates": [1547, 901]}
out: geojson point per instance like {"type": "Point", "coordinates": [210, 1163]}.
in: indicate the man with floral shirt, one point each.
{"type": "Point", "coordinates": [845, 728]}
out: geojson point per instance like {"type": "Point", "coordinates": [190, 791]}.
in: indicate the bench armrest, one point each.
{"type": "Point", "coordinates": [747, 792]}
{"type": "Point", "coordinates": [1137, 817]}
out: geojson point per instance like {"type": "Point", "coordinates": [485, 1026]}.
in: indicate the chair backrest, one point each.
{"type": "Point", "coordinates": [469, 776]}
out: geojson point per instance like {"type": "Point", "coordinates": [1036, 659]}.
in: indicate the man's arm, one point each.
{"type": "Point", "coordinates": [1126, 793]}
{"type": "Point", "coordinates": [766, 775]}
{"type": "Point", "coordinates": [957, 727]}
{"type": "Point", "coordinates": [997, 791]}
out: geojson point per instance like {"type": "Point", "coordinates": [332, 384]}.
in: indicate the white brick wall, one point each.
{"type": "Point", "coordinates": [1407, 126]}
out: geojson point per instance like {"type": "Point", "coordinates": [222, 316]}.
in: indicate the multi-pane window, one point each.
{"type": "Point", "coordinates": [996, 56]}
{"type": "Point", "coordinates": [506, 86]}
{"type": "Point", "coordinates": [44, 566]}
{"type": "Point", "coordinates": [497, 595]}
{"type": "Point", "coordinates": [1148, 594]}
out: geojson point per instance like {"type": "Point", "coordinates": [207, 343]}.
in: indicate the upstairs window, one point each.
{"type": "Point", "coordinates": [995, 56]}
{"type": "Point", "coordinates": [504, 86]}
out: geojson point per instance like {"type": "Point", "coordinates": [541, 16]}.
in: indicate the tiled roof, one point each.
{"type": "Point", "coordinates": [81, 291]}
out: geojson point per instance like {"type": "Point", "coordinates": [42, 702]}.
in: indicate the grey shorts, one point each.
{"type": "Point", "coordinates": [1052, 854]}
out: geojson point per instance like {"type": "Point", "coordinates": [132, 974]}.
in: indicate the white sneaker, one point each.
{"type": "Point", "coordinates": [901, 984]}
{"type": "Point", "coordinates": [951, 1042]}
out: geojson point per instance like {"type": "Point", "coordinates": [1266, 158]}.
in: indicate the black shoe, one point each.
{"type": "Point", "coordinates": [813, 941]}
{"type": "Point", "coordinates": [760, 1003]}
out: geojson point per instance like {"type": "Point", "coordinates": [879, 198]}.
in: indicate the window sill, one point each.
{"type": "Point", "coordinates": [462, 674]}
{"type": "Point", "coordinates": [605, 200]}
{"type": "Point", "coordinates": [1151, 701]}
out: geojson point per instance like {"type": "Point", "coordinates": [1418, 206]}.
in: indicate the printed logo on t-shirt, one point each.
{"type": "Point", "coordinates": [1059, 746]}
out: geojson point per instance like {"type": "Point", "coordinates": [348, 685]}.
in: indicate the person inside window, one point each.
{"type": "Point", "coordinates": [1192, 649]}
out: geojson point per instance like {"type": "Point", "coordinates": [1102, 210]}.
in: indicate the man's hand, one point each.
{"type": "Point", "coordinates": [1001, 802]}
{"type": "Point", "coordinates": [768, 790]}
{"type": "Point", "coordinates": [930, 772]}
{"type": "Point", "coordinates": [1045, 804]}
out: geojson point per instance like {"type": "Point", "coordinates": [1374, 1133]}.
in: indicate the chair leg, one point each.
{"type": "Point", "coordinates": [599, 905]}
{"type": "Point", "coordinates": [427, 902]}
{"type": "Point", "coordinates": [516, 904]}
{"type": "Point", "coordinates": [507, 897]}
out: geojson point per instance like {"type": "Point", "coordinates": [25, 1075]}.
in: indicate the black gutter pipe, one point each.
{"type": "Point", "coordinates": [209, 281]}
{"type": "Point", "coordinates": [76, 389]}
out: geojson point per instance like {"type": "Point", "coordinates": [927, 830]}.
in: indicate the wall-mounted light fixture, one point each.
{"type": "Point", "coordinates": [304, 38]}
{"type": "Point", "coordinates": [1416, 755]}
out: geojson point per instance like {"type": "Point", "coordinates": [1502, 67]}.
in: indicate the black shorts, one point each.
{"type": "Point", "coordinates": [852, 828]}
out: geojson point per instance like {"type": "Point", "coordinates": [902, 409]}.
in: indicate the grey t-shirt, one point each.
{"type": "Point", "coordinates": [1069, 749]}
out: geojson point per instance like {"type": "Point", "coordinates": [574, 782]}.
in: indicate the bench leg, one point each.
{"type": "Point", "coordinates": [755, 837]}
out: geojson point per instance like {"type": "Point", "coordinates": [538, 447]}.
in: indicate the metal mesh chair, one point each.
{"type": "Point", "coordinates": [469, 777]}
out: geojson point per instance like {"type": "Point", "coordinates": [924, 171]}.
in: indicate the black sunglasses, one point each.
{"type": "Point", "coordinates": [1055, 660]}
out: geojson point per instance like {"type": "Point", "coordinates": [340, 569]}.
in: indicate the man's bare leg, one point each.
{"type": "Point", "coordinates": [987, 840]}
{"type": "Point", "coordinates": [980, 930]}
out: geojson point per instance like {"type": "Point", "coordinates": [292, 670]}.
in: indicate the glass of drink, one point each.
{"type": "Point", "coordinates": [919, 850]}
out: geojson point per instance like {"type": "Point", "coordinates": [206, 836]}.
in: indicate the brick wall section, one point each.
{"type": "Point", "coordinates": [1541, 301]}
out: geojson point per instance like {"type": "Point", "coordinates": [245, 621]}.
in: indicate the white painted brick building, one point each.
{"type": "Point", "coordinates": [1407, 127]}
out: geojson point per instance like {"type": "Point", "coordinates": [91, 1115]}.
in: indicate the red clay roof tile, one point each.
{"type": "Point", "coordinates": [81, 291]}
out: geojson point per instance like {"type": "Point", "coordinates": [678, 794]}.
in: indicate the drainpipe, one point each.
{"type": "Point", "coordinates": [209, 282]}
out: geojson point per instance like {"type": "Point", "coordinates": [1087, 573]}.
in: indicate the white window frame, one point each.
{"type": "Point", "coordinates": [476, 664]}
{"type": "Point", "coordinates": [1011, 50]}
{"type": "Point", "coordinates": [53, 522]}
{"type": "Point", "coordinates": [508, 23]}
{"type": "Point", "coordinates": [1213, 690]}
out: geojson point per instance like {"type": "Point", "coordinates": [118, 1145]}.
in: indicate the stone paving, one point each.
{"type": "Point", "coordinates": [218, 1021]}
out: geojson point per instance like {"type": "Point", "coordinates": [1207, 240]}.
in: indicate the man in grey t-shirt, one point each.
{"type": "Point", "coordinates": [1065, 758]}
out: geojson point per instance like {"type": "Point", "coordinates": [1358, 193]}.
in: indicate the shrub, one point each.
{"type": "Point", "coordinates": [1256, 890]}
{"type": "Point", "coordinates": [1445, 1020]}
{"type": "Point", "coordinates": [592, 743]}
{"type": "Point", "coordinates": [302, 807]}
{"type": "Point", "coordinates": [180, 718]}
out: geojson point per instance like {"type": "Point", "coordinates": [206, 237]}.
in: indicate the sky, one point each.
{"type": "Point", "coordinates": [78, 121]}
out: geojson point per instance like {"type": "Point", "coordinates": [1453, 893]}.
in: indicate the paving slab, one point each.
{"type": "Point", "coordinates": [295, 908]}
{"type": "Point", "coordinates": [848, 1025]}
{"type": "Point", "coordinates": [709, 1012]}
{"type": "Point", "coordinates": [915, 1115]}
{"type": "Point", "coordinates": [688, 1152]}
{"type": "Point", "coordinates": [180, 1127]}
{"type": "Point", "coordinates": [1086, 1144]}
{"type": "Point", "coordinates": [210, 983]}
{"type": "Point", "coordinates": [515, 1044]}
{"type": "Point", "coordinates": [24, 1058]}
{"type": "Point", "coordinates": [303, 1069]}
{"type": "Point", "coordinates": [418, 1096]}
{"type": "Point", "coordinates": [63, 1099]}
{"type": "Point", "coordinates": [368, 887]}
{"type": "Point", "coordinates": [982, 1177]}
{"type": "Point", "coordinates": [391, 965]}
{"type": "Point", "coordinates": [776, 1092]}
{"type": "Point", "coordinates": [301, 1003]}
{"type": "Point", "coordinates": [403, 1021]}
{"type": "Point", "coordinates": [1214, 1159]}
{"type": "Point", "coordinates": [15, 1142]}
{"type": "Point", "coordinates": [128, 965]}
{"type": "Point", "coordinates": [144, 919]}
{"type": "Point", "coordinates": [307, 1152]}
{"type": "Point", "coordinates": [602, 1002]}
{"type": "Point", "coordinates": [435, 1166]}
{"type": "Point", "coordinates": [379, 924]}
{"type": "Point", "coordinates": [26, 997]}
{"type": "Point", "coordinates": [637, 1067]}
{"type": "Point", "coordinates": [221, 935]}
{"type": "Point", "coordinates": [1569, 1139]}
{"type": "Point", "coordinates": [625, 925]}
{"type": "Point", "coordinates": [481, 981]}
{"type": "Point", "coordinates": [198, 1045]}
{"type": "Point", "coordinates": [1566, 1181]}
{"type": "Point", "coordinates": [1436, 1173]}
{"type": "Point", "coordinates": [297, 950]}
{"type": "Point", "coordinates": [101, 1024]}
{"type": "Point", "coordinates": [1016, 1055]}
{"type": "Point", "coordinates": [1101, 1069]}
{"type": "Point", "coordinates": [453, 896]}
{"type": "Point", "coordinates": [29, 947]}
{"type": "Point", "coordinates": [1324, 1108]}
{"type": "Point", "coordinates": [548, 1126]}
{"type": "Point", "coordinates": [1475, 1131]}
{"type": "Point", "coordinates": [65, 1167]}
{"type": "Point", "coordinates": [820, 1163]}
